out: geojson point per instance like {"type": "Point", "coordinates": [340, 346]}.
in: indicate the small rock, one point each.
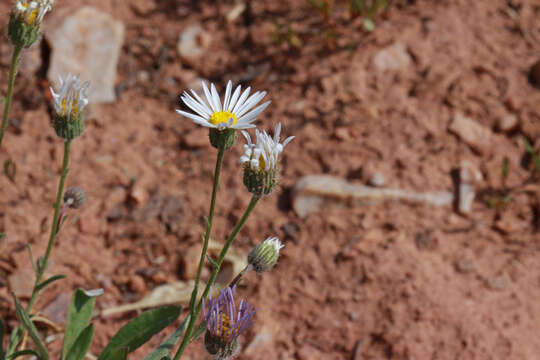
{"type": "Point", "coordinates": [137, 284]}
{"type": "Point", "coordinates": [192, 43]}
{"type": "Point", "coordinates": [468, 177]}
{"type": "Point", "coordinates": [472, 133]}
{"type": "Point", "coordinates": [57, 309]}
{"type": "Point", "coordinates": [465, 266]}
{"type": "Point", "coordinates": [342, 133]}
{"type": "Point", "coordinates": [139, 194]}
{"type": "Point", "coordinates": [196, 139]}
{"type": "Point", "coordinates": [377, 179]}
{"type": "Point", "coordinates": [507, 123]}
{"type": "Point", "coordinates": [508, 224]}
{"type": "Point", "coordinates": [190, 262]}
{"type": "Point", "coordinates": [88, 43]}
{"type": "Point", "coordinates": [393, 57]}
{"type": "Point", "coordinates": [535, 74]}
{"type": "Point", "coordinates": [308, 352]}
{"type": "Point", "coordinates": [498, 283]}
{"type": "Point", "coordinates": [261, 343]}
{"type": "Point", "coordinates": [22, 283]}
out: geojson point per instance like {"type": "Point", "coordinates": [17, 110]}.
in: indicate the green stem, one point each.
{"type": "Point", "coordinates": [209, 221]}
{"type": "Point", "coordinates": [12, 73]}
{"type": "Point", "coordinates": [54, 228]}
{"type": "Point", "coordinates": [52, 237]}
{"type": "Point", "coordinates": [237, 228]}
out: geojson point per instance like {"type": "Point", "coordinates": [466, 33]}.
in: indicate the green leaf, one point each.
{"type": "Point", "coordinates": [119, 354]}
{"type": "Point", "coordinates": [2, 332]}
{"type": "Point", "coordinates": [80, 313]}
{"type": "Point", "coordinates": [162, 351]}
{"type": "Point", "coordinates": [42, 284]}
{"type": "Point", "coordinates": [140, 330]}
{"type": "Point", "coordinates": [22, 353]}
{"type": "Point", "coordinates": [29, 325]}
{"type": "Point", "coordinates": [82, 344]}
{"type": "Point", "coordinates": [10, 169]}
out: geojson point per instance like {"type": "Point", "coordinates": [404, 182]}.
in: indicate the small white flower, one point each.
{"type": "Point", "coordinates": [264, 155]}
{"type": "Point", "coordinates": [233, 113]}
{"type": "Point", "coordinates": [32, 12]}
{"type": "Point", "coordinates": [264, 257]}
{"type": "Point", "coordinates": [274, 242]}
{"type": "Point", "coordinates": [71, 97]}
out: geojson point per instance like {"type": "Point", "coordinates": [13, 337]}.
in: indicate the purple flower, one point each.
{"type": "Point", "coordinates": [225, 322]}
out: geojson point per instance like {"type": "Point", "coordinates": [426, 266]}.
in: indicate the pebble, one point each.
{"type": "Point", "coordinates": [377, 179]}
{"type": "Point", "coordinates": [507, 123]}
{"type": "Point", "coordinates": [87, 43]}
{"type": "Point", "coordinates": [137, 284]}
{"type": "Point", "coordinates": [393, 57]}
{"type": "Point", "coordinates": [465, 266]}
{"type": "Point", "coordinates": [472, 133]}
{"type": "Point", "coordinates": [193, 43]}
{"type": "Point", "coordinates": [312, 192]}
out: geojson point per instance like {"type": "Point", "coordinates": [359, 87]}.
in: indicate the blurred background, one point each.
{"type": "Point", "coordinates": [409, 202]}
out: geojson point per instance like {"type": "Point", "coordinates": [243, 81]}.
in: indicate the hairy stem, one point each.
{"type": "Point", "coordinates": [237, 228]}
{"type": "Point", "coordinates": [12, 74]}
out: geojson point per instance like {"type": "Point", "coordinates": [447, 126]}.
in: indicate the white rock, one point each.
{"type": "Point", "coordinates": [193, 43]}
{"type": "Point", "coordinates": [468, 177]}
{"type": "Point", "coordinates": [377, 179]}
{"type": "Point", "coordinates": [393, 57]}
{"type": "Point", "coordinates": [472, 133]}
{"type": "Point", "coordinates": [507, 123]}
{"type": "Point", "coordinates": [88, 44]}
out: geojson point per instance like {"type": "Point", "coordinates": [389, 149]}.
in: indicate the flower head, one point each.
{"type": "Point", "coordinates": [225, 322]}
{"type": "Point", "coordinates": [261, 161]}
{"type": "Point", "coordinates": [264, 257]}
{"type": "Point", "coordinates": [69, 101]}
{"type": "Point", "coordinates": [234, 113]}
{"type": "Point", "coordinates": [31, 12]}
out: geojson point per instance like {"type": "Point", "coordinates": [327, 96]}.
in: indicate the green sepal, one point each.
{"type": "Point", "coordinates": [68, 128]}
{"type": "Point", "coordinates": [22, 34]}
{"type": "Point", "coordinates": [260, 183]}
{"type": "Point", "coordinates": [224, 139]}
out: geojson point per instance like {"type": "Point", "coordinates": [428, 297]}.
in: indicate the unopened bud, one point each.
{"type": "Point", "coordinates": [74, 197]}
{"type": "Point", "coordinates": [264, 257]}
{"type": "Point", "coordinates": [224, 139]}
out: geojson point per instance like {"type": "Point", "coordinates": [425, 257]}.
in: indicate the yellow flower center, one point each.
{"type": "Point", "coordinates": [225, 331]}
{"type": "Point", "coordinates": [74, 108]}
{"type": "Point", "coordinates": [262, 163]}
{"type": "Point", "coordinates": [219, 117]}
{"type": "Point", "coordinates": [32, 18]}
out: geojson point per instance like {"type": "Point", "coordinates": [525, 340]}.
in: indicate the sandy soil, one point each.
{"type": "Point", "coordinates": [390, 280]}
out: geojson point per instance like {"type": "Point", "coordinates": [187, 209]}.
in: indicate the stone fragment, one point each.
{"type": "Point", "coordinates": [393, 57]}
{"type": "Point", "coordinates": [193, 43]}
{"type": "Point", "coordinates": [57, 310]}
{"type": "Point", "coordinates": [137, 284]}
{"type": "Point", "coordinates": [21, 283]}
{"type": "Point", "coordinates": [472, 133]}
{"type": "Point", "coordinates": [88, 44]}
{"type": "Point", "coordinates": [507, 123]}
{"type": "Point", "coordinates": [468, 177]}
{"type": "Point", "coordinates": [312, 192]}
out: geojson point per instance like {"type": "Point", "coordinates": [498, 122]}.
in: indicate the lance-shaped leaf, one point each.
{"type": "Point", "coordinates": [162, 351]}
{"type": "Point", "coordinates": [80, 313]}
{"type": "Point", "coordinates": [50, 280]}
{"type": "Point", "coordinates": [23, 317]}
{"type": "Point", "coordinates": [82, 344]}
{"type": "Point", "coordinates": [140, 330]}
{"type": "Point", "coordinates": [22, 353]}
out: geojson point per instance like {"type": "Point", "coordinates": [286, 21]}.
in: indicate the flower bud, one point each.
{"type": "Point", "coordinates": [74, 197]}
{"type": "Point", "coordinates": [260, 183]}
{"type": "Point", "coordinates": [264, 257]}
{"type": "Point", "coordinates": [69, 102]}
{"type": "Point", "coordinates": [25, 19]}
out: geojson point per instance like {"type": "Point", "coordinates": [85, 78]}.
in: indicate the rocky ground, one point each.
{"type": "Point", "coordinates": [421, 240]}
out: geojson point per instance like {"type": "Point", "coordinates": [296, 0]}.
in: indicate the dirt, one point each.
{"type": "Point", "coordinates": [386, 281]}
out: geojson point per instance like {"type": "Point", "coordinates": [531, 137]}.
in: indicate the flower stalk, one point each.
{"type": "Point", "coordinates": [12, 73]}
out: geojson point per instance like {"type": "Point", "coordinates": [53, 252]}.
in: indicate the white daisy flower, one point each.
{"type": "Point", "coordinates": [234, 113]}
{"type": "Point", "coordinates": [32, 12]}
{"type": "Point", "coordinates": [264, 155]}
{"type": "Point", "coordinates": [71, 97]}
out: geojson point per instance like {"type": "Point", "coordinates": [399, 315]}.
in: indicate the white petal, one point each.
{"type": "Point", "coordinates": [202, 102]}
{"type": "Point", "coordinates": [277, 132]}
{"type": "Point", "coordinates": [288, 140]}
{"type": "Point", "coordinates": [244, 159]}
{"type": "Point", "coordinates": [215, 97]}
{"type": "Point", "coordinates": [246, 135]}
{"type": "Point", "coordinates": [242, 126]}
{"type": "Point", "coordinates": [195, 106]}
{"type": "Point", "coordinates": [250, 116]}
{"type": "Point", "coordinates": [209, 97]}
{"type": "Point", "coordinates": [234, 98]}
{"type": "Point", "coordinates": [227, 96]}
{"type": "Point", "coordinates": [251, 102]}
{"type": "Point", "coordinates": [240, 102]}
{"type": "Point", "coordinates": [192, 116]}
